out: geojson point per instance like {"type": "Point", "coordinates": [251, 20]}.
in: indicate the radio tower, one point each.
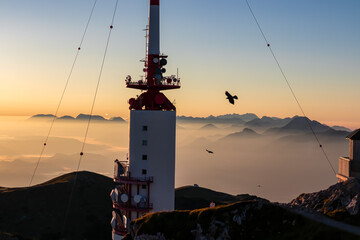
{"type": "Point", "coordinates": [146, 180]}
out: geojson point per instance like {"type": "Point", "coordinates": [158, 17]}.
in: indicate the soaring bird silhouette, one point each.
{"type": "Point", "coordinates": [210, 151]}
{"type": "Point", "coordinates": [230, 97]}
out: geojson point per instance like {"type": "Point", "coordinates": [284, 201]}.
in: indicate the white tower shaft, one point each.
{"type": "Point", "coordinates": [152, 154]}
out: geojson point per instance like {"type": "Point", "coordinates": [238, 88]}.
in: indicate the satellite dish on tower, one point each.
{"type": "Point", "coordinates": [137, 198]}
{"type": "Point", "coordinates": [124, 198]}
{"type": "Point", "coordinates": [157, 76]}
{"type": "Point", "coordinates": [163, 62]}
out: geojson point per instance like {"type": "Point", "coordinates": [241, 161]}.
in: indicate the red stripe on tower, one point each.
{"type": "Point", "coordinates": [154, 2]}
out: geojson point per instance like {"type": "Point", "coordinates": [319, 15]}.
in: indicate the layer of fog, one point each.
{"type": "Point", "coordinates": [278, 170]}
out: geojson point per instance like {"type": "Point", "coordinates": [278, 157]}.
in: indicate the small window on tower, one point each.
{"type": "Point", "coordinates": [145, 128]}
{"type": "Point", "coordinates": [144, 142]}
{"type": "Point", "coordinates": [144, 157]}
{"type": "Point", "coordinates": [144, 171]}
{"type": "Point", "coordinates": [143, 186]}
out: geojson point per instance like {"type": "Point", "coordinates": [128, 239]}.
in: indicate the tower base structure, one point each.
{"type": "Point", "coordinates": [147, 180]}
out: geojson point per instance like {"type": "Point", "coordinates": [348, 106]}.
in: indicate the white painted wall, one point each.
{"type": "Point", "coordinates": [160, 151]}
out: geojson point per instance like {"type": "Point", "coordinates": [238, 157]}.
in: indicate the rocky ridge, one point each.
{"type": "Point", "coordinates": [340, 201]}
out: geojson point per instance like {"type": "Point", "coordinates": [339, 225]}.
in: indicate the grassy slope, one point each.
{"type": "Point", "coordinates": [189, 198]}
{"type": "Point", "coordinates": [38, 212]}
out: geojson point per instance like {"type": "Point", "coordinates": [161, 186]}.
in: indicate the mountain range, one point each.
{"type": "Point", "coordinates": [227, 118]}
{"type": "Point", "coordinates": [38, 212]}
{"type": "Point", "coordinates": [81, 117]}
{"type": "Point", "coordinates": [271, 125]}
{"type": "Point", "coordinates": [296, 128]}
{"type": "Point", "coordinates": [266, 122]}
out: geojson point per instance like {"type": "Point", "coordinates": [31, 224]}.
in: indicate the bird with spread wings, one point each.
{"type": "Point", "coordinates": [230, 97]}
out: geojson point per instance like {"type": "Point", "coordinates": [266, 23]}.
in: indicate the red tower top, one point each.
{"type": "Point", "coordinates": [155, 81]}
{"type": "Point", "coordinates": [154, 2]}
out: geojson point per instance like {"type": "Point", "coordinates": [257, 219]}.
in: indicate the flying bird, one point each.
{"type": "Point", "coordinates": [230, 97]}
{"type": "Point", "coordinates": [210, 151]}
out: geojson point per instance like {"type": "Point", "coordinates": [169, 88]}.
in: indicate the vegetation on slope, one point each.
{"type": "Point", "coordinates": [38, 212]}
{"type": "Point", "coordinates": [256, 219]}
{"type": "Point", "coordinates": [190, 197]}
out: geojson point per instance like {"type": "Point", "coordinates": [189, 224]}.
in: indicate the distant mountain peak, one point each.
{"type": "Point", "coordinates": [66, 117]}
{"type": "Point", "coordinates": [300, 124]}
{"type": "Point", "coordinates": [209, 126]}
{"type": "Point", "coordinates": [117, 119]}
{"type": "Point", "coordinates": [245, 133]}
{"type": "Point", "coordinates": [267, 118]}
{"type": "Point", "coordinates": [249, 131]}
{"type": "Point", "coordinates": [82, 116]}
{"type": "Point", "coordinates": [245, 117]}
{"type": "Point", "coordinates": [267, 122]}
{"type": "Point", "coordinates": [42, 116]}
{"type": "Point", "coordinates": [341, 128]}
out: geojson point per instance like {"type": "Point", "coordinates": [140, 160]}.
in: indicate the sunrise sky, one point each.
{"type": "Point", "coordinates": [215, 44]}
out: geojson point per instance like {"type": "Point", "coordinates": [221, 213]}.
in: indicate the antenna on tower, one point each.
{"type": "Point", "coordinates": [146, 41]}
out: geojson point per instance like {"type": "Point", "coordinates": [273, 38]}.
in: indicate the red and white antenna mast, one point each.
{"type": "Point", "coordinates": [154, 69]}
{"type": "Point", "coordinates": [147, 180]}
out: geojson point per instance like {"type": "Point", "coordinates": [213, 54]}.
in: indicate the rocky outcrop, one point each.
{"type": "Point", "coordinates": [255, 219]}
{"type": "Point", "coordinates": [340, 201]}
{"type": "Point", "coordinates": [341, 197]}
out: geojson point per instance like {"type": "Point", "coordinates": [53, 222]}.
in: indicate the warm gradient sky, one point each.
{"type": "Point", "coordinates": [215, 44]}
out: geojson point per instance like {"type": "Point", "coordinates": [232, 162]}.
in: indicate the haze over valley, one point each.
{"type": "Point", "coordinates": [272, 158]}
